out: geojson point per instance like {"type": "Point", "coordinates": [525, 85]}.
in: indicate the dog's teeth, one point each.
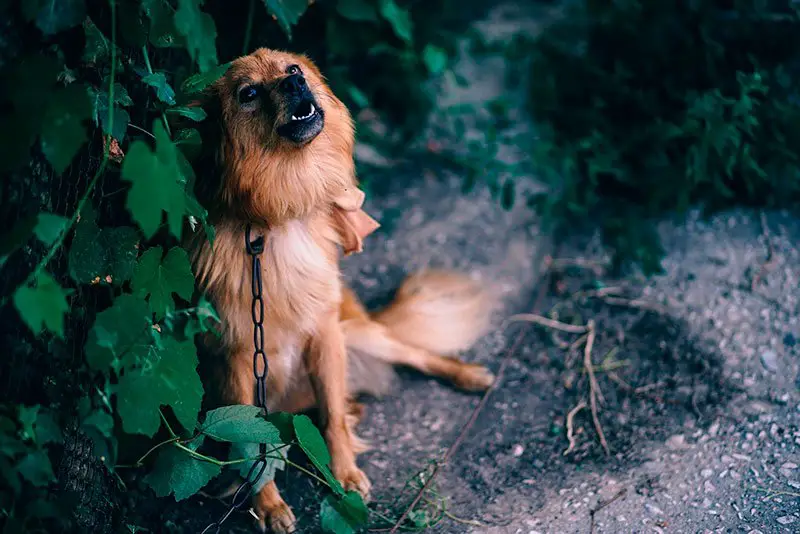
{"type": "Point", "coordinates": [313, 109]}
{"type": "Point", "coordinates": [294, 118]}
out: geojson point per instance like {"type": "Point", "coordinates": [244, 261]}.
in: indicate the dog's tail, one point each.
{"type": "Point", "coordinates": [439, 311]}
{"type": "Point", "coordinates": [434, 313]}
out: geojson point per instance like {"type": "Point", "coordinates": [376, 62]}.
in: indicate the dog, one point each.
{"type": "Point", "coordinates": [281, 160]}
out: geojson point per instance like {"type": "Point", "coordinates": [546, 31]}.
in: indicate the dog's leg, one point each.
{"type": "Point", "coordinates": [268, 503]}
{"type": "Point", "coordinates": [327, 368]}
{"type": "Point", "coordinates": [375, 340]}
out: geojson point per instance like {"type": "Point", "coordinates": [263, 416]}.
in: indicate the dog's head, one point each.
{"type": "Point", "coordinates": [286, 144]}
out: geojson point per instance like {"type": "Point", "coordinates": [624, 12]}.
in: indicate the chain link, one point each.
{"type": "Point", "coordinates": [254, 249]}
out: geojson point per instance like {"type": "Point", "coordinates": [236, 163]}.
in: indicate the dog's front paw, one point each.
{"type": "Point", "coordinates": [474, 377]}
{"type": "Point", "coordinates": [354, 479]}
{"type": "Point", "coordinates": [272, 510]}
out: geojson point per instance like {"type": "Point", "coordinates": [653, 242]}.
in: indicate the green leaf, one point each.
{"type": "Point", "coordinates": [276, 459]}
{"type": "Point", "coordinates": [312, 443]}
{"type": "Point", "coordinates": [435, 59]}
{"type": "Point", "coordinates": [63, 132]}
{"type": "Point", "coordinates": [169, 378]}
{"type": "Point", "coordinates": [163, 31]}
{"type": "Point", "coordinates": [343, 515]}
{"type": "Point", "coordinates": [121, 335]}
{"type": "Point", "coordinates": [198, 82]}
{"type": "Point", "coordinates": [42, 306]}
{"type": "Point", "coordinates": [190, 143]}
{"type": "Point", "coordinates": [195, 113]}
{"type": "Point", "coordinates": [286, 12]}
{"type": "Point", "coordinates": [97, 46]}
{"type": "Point", "coordinates": [398, 18]}
{"type": "Point", "coordinates": [164, 91]}
{"type": "Point", "coordinates": [192, 321]}
{"type": "Point", "coordinates": [200, 32]}
{"type": "Point", "coordinates": [155, 189]}
{"type": "Point", "coordinates": [53, 16]}
{"type": "Point", "coordinates": [240, 424]}
{"type": "Point", "coordinates": [38, 425]}
{"type": "Point", "coordinates": [96, 254]}
{"type": "Point", "coordinates": [100, 421]}
{"type": "Point", "coordinates": [36, 468]}
{"type": "Point", "coordinates": [357, 10]}
{"type": "Point", "coordinates": [99, 98]}
{"type": "Point", "coordinates": [48, 227]}
{"type": "Point", "coordinates": [159, 279]}
{"type": "Point", "coordinates": [178, 473]}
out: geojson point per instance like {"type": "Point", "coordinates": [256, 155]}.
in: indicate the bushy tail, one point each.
{"type": "Point", "coordinates": [440, 311]}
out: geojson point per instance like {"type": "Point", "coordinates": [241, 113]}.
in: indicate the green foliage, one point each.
{"type": "Point", "coordinates": [155, 186]}
{"type": "Point", "coordinates": [179, 474]}
{"type": "Point", "coordinates": [100, 255]}
{"type": "Point", "coordinates": [286, 12]}
{"type": "Point", "coordinates": [85, 107]}
{"type": "Point", "coordinates": [688, 105]}
{"type": "Point", "coordinates": [159, 278]}
{"type": "Point", "coordinates": [42, 305]}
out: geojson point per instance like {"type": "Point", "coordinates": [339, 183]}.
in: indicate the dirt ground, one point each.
{"type": "Point", "coordinates": [702, 395]}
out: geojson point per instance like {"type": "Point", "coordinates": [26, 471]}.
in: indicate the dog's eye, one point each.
{"type": "Point", "coordinates": [248, 94]}
{"type": "Point", "coordinates": [293, 69]}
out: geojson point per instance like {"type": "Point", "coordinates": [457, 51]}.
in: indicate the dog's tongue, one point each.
{"type": "Point", "coordinates": [352, 223]}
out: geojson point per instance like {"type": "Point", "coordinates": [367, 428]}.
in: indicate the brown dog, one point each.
{"type": "Point", "coordinates": [284, 164]}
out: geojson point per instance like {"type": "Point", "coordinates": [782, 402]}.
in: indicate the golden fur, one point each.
{"type": "Point", "coordinates": [323, 346]}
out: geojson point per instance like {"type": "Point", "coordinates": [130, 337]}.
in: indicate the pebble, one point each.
{"type": "Point", "coordinates": [653, 509]}
{"type": "Point", "coordinates": [708, 487]}
{"type": "Point", "coordinates": [677, 442]}
{"type": "Point", "coordinates": [769, 359]}
{"type": "Point", "coordinates": [787, 519]}
{"type": "Point", "coordinates": [517, 450]}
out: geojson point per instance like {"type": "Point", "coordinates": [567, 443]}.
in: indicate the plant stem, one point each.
{"type": "Point", "coordinates": [307, 472]}
{"type": "Point", "coordinates": [150, 70]}
{"type": "Point", "coordinates": [166, 424]}
{"type": "Point", "coordinates": [148, 453]}
{"type": "Point", "coordinates": [107, 142]}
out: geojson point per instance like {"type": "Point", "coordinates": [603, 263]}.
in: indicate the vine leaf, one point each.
{"type": "Point", "coordinates": [178, 473]}
{"type": "Point", "coordinates": [200, 32]}
{"type": "Point", "coordinates": [36, 468]}
{"type": "Point", "coordinates": [163, 32]}
{"type": "Point", "coordinates": [120, 336]}
{"type": "Point", "coordinates": [312, 443]}
{"type": "Point", "coordinates": [159, 279]}
{"type": "Point", "coordinates": [168, 377]}
{"type": "Point", "coordinates": [435, 59]}
{"type": "Point", "coordinates": [107, 254]}
{"type": "Point", "coordinates": [97, 46]}
{"type": "Point", "coordinates": [398, 18]}
{"type": "Point", "coordinates": [197, 83]}
{"type": "Point", "coordinates": [155, 189]}
{"type": "Point", "coordinates": [194, 113]}
{"type": "Point", "coordinates": [100, 106]}
{"type": "Point", "coordinates": [357, 10]}
{"type": "Point", "coordinates": [276, 459]}
{"type": "Point", "coordinates": [53, 16]}
{"type": "Point", "coordinates": [63, 132]}
{"type": "Point", "coordinates": [286, 12]}
{"type": "Point", "coordinates": [343, 515]}
{"type": "Point", "coordinates": [164, 91]}
{"type": "Point", "coordinates": [43, 305]}
{"type": "Point", "coordinates": [240, 424]}
{"type": "Point", "coordinates": [46, 226]}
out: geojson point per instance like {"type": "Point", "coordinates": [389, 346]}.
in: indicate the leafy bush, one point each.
{"type": "Point", "coordinates": [97, 194]}
{"type": "Point", "coordinates": [649, 108]}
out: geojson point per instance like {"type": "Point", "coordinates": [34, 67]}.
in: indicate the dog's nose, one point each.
{"type": "Point", "coordinates": [294, 85]}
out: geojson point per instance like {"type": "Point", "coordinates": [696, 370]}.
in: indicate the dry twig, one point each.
{"type": "Point", "coordinates": [621, 493]}
{"type": "Point", "coordinates": [771, 260]}
{"type": "Point", "coordinates": [571, 426]}
{"type": "Point", "coordinates": [595, 394]}
{"type": "Point", "coordinates": [548, 323]}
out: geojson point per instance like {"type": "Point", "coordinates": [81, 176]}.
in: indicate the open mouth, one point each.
{"type": "Point", "coordinates": [304, 122]}
{"type": "Point", "coordinates": [304, 111]}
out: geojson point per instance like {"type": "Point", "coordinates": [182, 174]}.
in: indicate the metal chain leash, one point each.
{"type": "Point", "coordinates": [254, 249]}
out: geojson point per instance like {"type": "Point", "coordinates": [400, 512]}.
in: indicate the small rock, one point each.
{"type": "Point", "coordinates": [705, 473]}
{"type": "Point", "coordinates": [517, 450]}
{"type": "Point", "coordinates": [787, 519]}
{"type": "Point", "coordinates": [769, 359]}
{"type": "Point", "coordinates": [677, 442]}
{"type": "Point", "coordinates": [653, 509]}
{"type": "Point", "coordinates": [708, 487]}
{"type": "Point", "coordinates": [789, 465]}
